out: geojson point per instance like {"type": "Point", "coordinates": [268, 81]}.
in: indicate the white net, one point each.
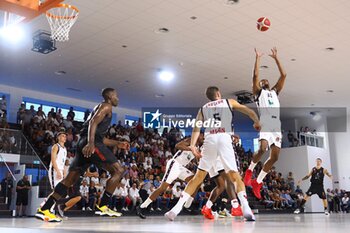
{"type": "Point", "coordinates": [61, 20]}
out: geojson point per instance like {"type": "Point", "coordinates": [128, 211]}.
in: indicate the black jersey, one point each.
{"type": "Point", "coordinates": [317, 176]}
{"type": "Point", "coordinates": [101, 129]}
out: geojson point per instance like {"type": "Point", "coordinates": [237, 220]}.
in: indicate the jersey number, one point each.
{"type": "Point", "coordinates": [217, 116]}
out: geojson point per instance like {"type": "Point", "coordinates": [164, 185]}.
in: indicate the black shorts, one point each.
{"type": "Point", "coordinates": [101, 157]}
{"type": "Point", "coordinates": [316, 189]}
{"type": "Point", "coordinates": [22, 199]}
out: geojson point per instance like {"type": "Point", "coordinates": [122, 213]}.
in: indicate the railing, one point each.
{"type": "Point", "coordinates": [311, 140]}
{"type": "Point", "coordinates": [14, 142]}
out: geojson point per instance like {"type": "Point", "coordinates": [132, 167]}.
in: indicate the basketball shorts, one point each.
{"type": "Point", "coordinates": [101, 157]}
{"type": "Point", "coordinates": [271, 131]}
{"type": "Point", "coordinates": [174, 170]}
{"type": "Point", "coordinates": [53, 177]}
{"type": "Point", "coordinates": [216, 168]}
{"type": "Point", "coordinates": [316, 189]}
{"type": "Point", "coordinates": [218, 146]}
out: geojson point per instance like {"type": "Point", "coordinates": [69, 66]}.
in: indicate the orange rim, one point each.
{"type": "Point", "coordinates": [62, 5]}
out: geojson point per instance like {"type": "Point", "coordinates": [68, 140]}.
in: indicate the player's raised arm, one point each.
{"type": "Point", "coordinates": [280, 83]}
{"type": "Point", "coordinates": [195, 135]}
{"type": "Point", "coordinates": [247, 111]}
{"type": "Point", "coordinates": [256, 86]}
{"type": "Point", "coordinates": [183, 145]}
{"type": "Point", "coordinates": [96, 119]}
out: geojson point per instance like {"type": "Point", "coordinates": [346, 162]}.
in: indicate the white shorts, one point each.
{"type": "Point", "coordinates": [216, 168]}
{"type": "Point", "coordinates": [271, 132]}
{"type": "Point", "coordinates": [174, 170]}
{"type": "Point", "coordinates": [218, 145]}
{"type": "Point", "coordinates": [53, 178]}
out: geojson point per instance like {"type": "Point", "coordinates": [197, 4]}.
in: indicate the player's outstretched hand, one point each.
{"type": "Point", "coordinates": [88, 150]}
{"type": "Point", "coordinates": [196, 152]}
{"type": "Point", "coordinates": [123, 145]}
{"type": "Point", "coordinates": [257, 53]}
{"type": "Point", "coordinates": [257, 126]}
{"type": "Point", "coordinates": [274, 53]}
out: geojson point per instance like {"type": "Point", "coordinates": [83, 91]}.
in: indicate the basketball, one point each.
{"type": "Point", "coordinates": [263, 24]}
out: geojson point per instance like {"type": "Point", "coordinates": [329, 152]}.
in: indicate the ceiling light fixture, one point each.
{"type": "Point", "coordinates": [162, 30]}
{"type": "Point", "coordinates": [330, 48]}
{"type": "Point", "coordinates": [293, 59]}
{"type": "Point", "coordinates": [166, 75]}
{"type": "Point", "coordinates": [159, 95]}
{"type": "Point", "coordinates": [264, 67]}
{"type": "Point", "coordinates": [330, 91]}
{"type": "Point", "coordinates": [231, 2]}
{"type": "Point", "coordinates": [124, 46]}
{"type": "Point", "coordinates": [193, 18]}
{"type": "Point", "coordinates": [60, 72]}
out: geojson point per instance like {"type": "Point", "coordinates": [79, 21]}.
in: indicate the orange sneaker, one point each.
{"type": "Point", "coordinates": [256, 188]}
{"type": "Point", "coordinates": [236, 212]}
{"type": "Point", "coordinates": [207, 212]}
{"type": "Point", "coordinates": [248, 177]}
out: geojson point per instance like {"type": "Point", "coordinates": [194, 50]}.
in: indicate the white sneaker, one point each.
{"type": "Point", "coordinates": [89, 209]}
{"type": "Point", "coordinates": [170, 215]}
{"type": "Point", "coordinates": [83, 209]}
{"type": "Point", "coordinates": [247, 212]}
{"type": "Point", "coordinates": [152, 209]}
{"type": "Point", "coordinates": [297, 211]}
{"type": "Point", "coordinates": [326, 212]}
{"type": "Point", "coordinates": [114, 209]}
{"type": "Point", "coordinates": [159, 209]}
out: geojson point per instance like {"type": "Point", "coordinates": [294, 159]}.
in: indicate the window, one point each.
{"type": "Point", "coordinates": [47, 109]}
{"type": "Point", "coordinates": [79, 116]}
{"type": "Point", "coordinates": [256, 144]}
{"type": "Point", "coordinates": [36, 106]}
{"type": "Point", "coordinates": [129, 122]}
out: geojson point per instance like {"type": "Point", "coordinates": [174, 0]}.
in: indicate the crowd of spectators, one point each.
{"type": "Point", "coordinates": [338, 201]}
{"type": "Point", "coordinates": [145, 164]}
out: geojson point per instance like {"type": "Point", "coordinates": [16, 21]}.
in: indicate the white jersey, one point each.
{"type": "Point", "coordinates": [60, 157]}
{"type": "Point", "coordinates": [268, 104]}
{"type": "Point", "coordinates": [183, 157]}
{"type": "Point", "coordinates": [219, 116]}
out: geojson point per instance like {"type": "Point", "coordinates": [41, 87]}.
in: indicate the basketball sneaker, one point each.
{"type": "Point", "coordinates": [105, 211]}
{"type": "Point", "coordinates": [207, 212]}
{"type": "Point", "coordinates": [297, 211]}
{"type": "Point", "coordinates": [139, 212]}
{"type": "Point", "coordinates": [248, 177]}
{"type": "Point", "coordinates": [222, 214]}
{"type": "Point", "coordinates": [60, 209]}
{"type": "Point", "coordinates": [236, 212]}
{"type": "Point", "coordinates": [47, 216]}
{"type": "Point", "coordinates": [248, 213]}
{"type": "Point", "coordinates": [170, 215]}
{"type": "Point", "coordinates": [256, 188]}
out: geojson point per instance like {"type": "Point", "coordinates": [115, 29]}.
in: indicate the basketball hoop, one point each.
{"type": "Point", "coordinates": [61, 19]}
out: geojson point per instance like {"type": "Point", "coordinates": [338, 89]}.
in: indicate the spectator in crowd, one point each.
{"type": "Point", "coordinates": [345, 202]}
{"type": "Point", "coordinates": [86, 114]}
{"type": "Point", "coordinates": [119, 195]}
{"type": "Point", "coordinates": [92, 196]}
{"type": "Point", "coordinates": [84, 191]}
{"type": "Point", "coordinates": [68, 123]}
{"type": "Point", "coordinates": [20, 113]}
{"type": "Point", "coordinates": [134, 195]}
{"type": "Point", "coordinates": [3, 105]}
{"type": "Point", "coordinates": [71, 114]}
{"type": "Point", "coordinates": [32, 110]}
{"type": "Point", "coordinates": [330, 200]}
{"type": "Point", "coordinates": [6, 188]}
{"type": "Point", "coordinates": [22, 189]}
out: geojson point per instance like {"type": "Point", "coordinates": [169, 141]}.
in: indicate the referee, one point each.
{"type": "Point", "coordinates": [317, 176]}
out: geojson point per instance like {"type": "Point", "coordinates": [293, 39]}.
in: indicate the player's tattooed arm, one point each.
{"type": "Point", "coordinates": [256, 85]}
{"type": "Point", "coordinates": [280, 83]}
{"type": "Point", "coordinates": [328, 174]}
{"type": "Point", "coordinates": [306, 177]}
{"type": "Point", "coordinates": [183, 145]}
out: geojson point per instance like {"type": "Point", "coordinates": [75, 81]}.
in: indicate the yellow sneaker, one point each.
{"type": "Point", "coordinates": [105, 211]}
{"type": "Point", "coordinates": [222, 214]}
{"type": "Point", "coordinates": [47, 216]}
